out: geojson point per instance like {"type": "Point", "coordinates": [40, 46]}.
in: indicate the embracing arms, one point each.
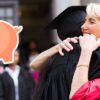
{"type": "Point", "coordinates": [39, 61]}
{"type": "Point", "coordinates": [88, 44]}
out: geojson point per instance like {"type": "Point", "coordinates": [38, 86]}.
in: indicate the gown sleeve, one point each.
{"type": "Point", "coordinates": [88, 91]}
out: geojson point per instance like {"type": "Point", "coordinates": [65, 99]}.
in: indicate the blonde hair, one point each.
{"type": "Point", "coordinates": [93, 9]}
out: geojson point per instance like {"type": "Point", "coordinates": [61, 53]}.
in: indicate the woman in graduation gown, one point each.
{"type": "Point", "coordinates": [56, 77]}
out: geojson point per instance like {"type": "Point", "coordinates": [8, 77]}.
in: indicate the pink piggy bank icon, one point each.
{"type": "Point", "coordinates": [9, 40]}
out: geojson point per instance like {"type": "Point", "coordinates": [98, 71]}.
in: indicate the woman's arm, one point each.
{"type": "Point", "coordinates": [81, 72]}
{"type": "Point", "coordinates": [40, 60]}
{"type": "Point", "coordinates": [88, 44]}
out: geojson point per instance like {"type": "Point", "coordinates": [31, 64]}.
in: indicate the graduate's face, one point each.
{"type": "Point", "coordinates": [91, 26]}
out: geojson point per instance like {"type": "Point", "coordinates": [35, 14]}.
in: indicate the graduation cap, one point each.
{"type": "Point", "coordinates": [69, 22]}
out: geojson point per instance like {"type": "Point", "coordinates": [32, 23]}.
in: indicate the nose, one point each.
{"type": "Point", "coordinates": [84, 28]}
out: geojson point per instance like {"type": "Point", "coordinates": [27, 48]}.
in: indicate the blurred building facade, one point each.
{"type": "Point", "coordinates": [9, 11]}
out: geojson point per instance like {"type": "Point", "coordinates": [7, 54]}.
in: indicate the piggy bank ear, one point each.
{"type": "Point", "coordinates": [18, 29]}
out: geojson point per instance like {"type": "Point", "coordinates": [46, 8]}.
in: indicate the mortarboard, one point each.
{"type": "Point", "coordinates": [69, 22]}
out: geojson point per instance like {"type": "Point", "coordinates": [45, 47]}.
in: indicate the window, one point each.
{"type": "Point", "coordinates": [9, 11]}
{"type": "Point", "coordinates": [6, 13]}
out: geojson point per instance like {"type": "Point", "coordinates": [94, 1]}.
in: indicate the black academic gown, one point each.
{"type": "Point", "coordinates": [57, 76]}
{"type": "Point", "coordinates": [7, 89]}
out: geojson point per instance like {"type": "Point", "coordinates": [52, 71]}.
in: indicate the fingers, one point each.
{"type": "Point", "coordinates": [89, 42]}
{"type": "Point", "coordinates": [93, 36]}
{"type": "Point", "coordinates": [63, 46]}
{"type": "Point", "coordinates": [68, 45]}
{"type": "Point", "coordinates": [74, 40]}
{"type": "Point", "coordinates": [60, 51]}
{"type": "Point", "coordinates": [80, 36]}
{"type": "Point", "coordinates": [89, 36]}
